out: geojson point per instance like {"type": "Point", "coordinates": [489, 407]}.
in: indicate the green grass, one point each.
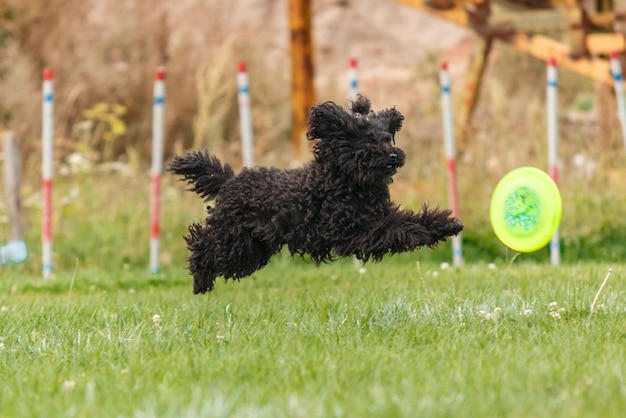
{"type": "Point", "coordinates": [300, 340]}
{"type": "Point", "coordinates": [296, 340]}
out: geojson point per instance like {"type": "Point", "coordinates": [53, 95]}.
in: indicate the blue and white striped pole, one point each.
{"type": "Point", "coordinates": [158, 134]}
{"type": "Point", "coordinates": [450, 150]}
{"type": "Point", "coordinates": [553, 147]}
{"type": "Point", "coordinates": [618, 83]}
{"type": "Point", "coordinates": [46, 170]}
{"type": "Point", "coordinates": [353, 77]}
{"type": "Point", "coordinates": [245, 116]}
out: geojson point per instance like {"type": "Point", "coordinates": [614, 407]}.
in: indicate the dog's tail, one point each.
{"type": "Point", "coordinates": [202, 171]}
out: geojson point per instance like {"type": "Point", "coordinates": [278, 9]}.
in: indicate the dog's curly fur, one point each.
{"type": "Point", "coordinates": [336, 205]}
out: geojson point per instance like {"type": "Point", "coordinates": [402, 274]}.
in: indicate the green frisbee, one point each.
{"type": "Point", "coordinates": [525, 209]}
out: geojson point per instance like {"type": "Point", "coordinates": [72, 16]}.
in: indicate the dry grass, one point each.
{"type": "Point", "coordinates": [106, 52]}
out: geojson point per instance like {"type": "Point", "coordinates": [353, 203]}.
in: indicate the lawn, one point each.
{"type": "Point", "coordinates": [295, 340]}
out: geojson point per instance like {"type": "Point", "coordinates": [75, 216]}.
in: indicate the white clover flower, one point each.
{"type": "Point", "coordinates": [4, 309]}
{"type": "Point", "coordinates": [435, 273]}
{"type": "Point", "coordinates": [555, 315]}
{"type": "Point", "coordinates": [444, 266]}
{"type": "Point", "coordinates": [362, 270]}
{"type": "Point", "coordinates": [553, 305]}
{"type": "Point", "coordinates": [578, 160]}
{"type": "Point", "coordinates": [156, 319]}
{"type": "Point", "coordinates": [2, 347]}
{"type": "Point", "coordinates": [497, 310]}
{"type": "Point", "coordinates": [528, 312]}
{"type": "Point", "coordinates": [490, 317]}
{"type": "Point", "coordinates": [69, 385]}
{"type": "Point", "coordinates": [491, 266]}
{"type": "Point", "coordinates": [78, 163]}
{"type": "Point", "coordinates": [459, 313]}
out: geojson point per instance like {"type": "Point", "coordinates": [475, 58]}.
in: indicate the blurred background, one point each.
{"type": "Point", "coordinates": [104, 54]}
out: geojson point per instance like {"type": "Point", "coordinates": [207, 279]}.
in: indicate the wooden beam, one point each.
{"type": "Point", "coordinates": [605, 43]}
{"type": "Point", "coordinates": [457, 13]}
{"type": "Point", "coordinates": [303, 96]}
{"type": "Point", "coordinates": [531, 20]}
{"type": "Point", "coordinates": [516, 28]}
{"type": "Point", "coordinates": [543, 48]}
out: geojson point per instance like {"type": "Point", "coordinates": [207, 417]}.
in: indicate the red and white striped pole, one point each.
{"type": "Point", "coordinates": [158, 129]}
{"type": "Point", "coordinates": [450, 150]}
{"type": "Point", "coordinates": [245, 116]}
{"type": "Point", "coordinates": [618, 83]}
{"type": "Point", "coordinates": [353, 77]}
{"type": "Point", "coordinates": [46, 151]}
{"type": "Point", "coordinates": [553, 147]}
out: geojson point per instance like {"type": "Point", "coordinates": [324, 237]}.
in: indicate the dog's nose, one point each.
{"type": "Point", "coordinates": [393, 156]}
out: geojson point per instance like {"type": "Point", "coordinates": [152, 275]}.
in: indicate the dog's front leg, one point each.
{"type": "Point", "coordinates": [405, 230]}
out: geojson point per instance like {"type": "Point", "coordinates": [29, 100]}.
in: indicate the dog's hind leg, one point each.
{"type": "Point", "coordinates": [241, 254]}
{"type": "Point", "coordinates": [201, 244]}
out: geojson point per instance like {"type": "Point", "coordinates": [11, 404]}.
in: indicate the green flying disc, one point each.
{"type": "Point", "coordinates": [525, 209]}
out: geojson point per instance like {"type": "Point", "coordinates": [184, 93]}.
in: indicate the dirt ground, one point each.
{"type": "Point", "coordinates": [389, 40]}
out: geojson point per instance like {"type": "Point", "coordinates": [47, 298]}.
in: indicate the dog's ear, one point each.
{"type": "Point", "coordinates": [361, 106]}
{"type": "Point", "coordinates": [391, 120]}
{"type": "Point", "coordinates": [327, 120]}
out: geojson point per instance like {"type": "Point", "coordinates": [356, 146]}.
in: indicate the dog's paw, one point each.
{"type": "Point", "coordinates": [454, 227]}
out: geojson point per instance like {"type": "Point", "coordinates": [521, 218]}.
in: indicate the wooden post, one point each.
{"type": "Point", "coordinates": [474, 78]}
{"type": "Point", "coordinates": [473, 83]}
{"type": "Point", "coordinates": [12, 186]}
{"type": "Point", "coordinates": [301, 70]}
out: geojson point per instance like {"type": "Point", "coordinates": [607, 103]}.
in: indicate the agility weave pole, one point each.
{"type": "Point", "coordinates": [618, 83]}
{"type": "Point", "coordinates": [158, 128]}
{"type": "Point", "coordinates": [47, 170]}
{"type": "Point", "coordinates": [553, 146]}
{"type": "Point", "coordinates": [245, 115]}
{"type": "Point", "coordinates": [450, 151]}
{"type": "Point", "coordinates": [353, 79]}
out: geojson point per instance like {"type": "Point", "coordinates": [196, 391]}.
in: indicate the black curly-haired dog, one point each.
{"type": "Point", "coordinates": [336, 205]}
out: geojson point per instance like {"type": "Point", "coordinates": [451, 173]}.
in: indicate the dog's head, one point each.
{"type": "Point", "coordinates": [358, 144]}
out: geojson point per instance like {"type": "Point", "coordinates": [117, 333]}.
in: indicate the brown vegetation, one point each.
{"type": "Point", "coordinates": [106, 52]}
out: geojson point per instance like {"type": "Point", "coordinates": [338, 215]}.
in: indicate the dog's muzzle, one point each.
{"type": "Point", "coordinates": [394, 160]}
